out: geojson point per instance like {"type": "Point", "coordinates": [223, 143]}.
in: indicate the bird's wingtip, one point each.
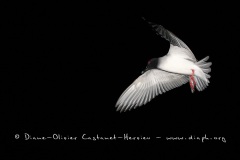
{"type": "Point", "coordinates": [117, 110]}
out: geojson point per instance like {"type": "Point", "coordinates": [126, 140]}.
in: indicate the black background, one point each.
{"type": "Point", "coordinates": [66, 64]}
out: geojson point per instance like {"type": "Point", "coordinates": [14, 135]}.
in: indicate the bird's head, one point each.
{"type": "Point", "coordinates": [152, 63]}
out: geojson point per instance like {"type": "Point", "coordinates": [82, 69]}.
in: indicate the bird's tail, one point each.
{"type": "Point", "coordinates": [202, 76]}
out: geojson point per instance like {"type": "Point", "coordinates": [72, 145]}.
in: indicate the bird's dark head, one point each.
{"type": "Point", "coordinates": [152, 63]}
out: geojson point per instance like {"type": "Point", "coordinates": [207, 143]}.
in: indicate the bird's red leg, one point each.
{"type": "Point", "coordinates": [192, 81]}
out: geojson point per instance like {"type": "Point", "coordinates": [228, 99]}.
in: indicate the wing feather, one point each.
{"type": "Point", "coordinates": [173, 39]}
{"type": "Point", "coordinates": [147, 86]}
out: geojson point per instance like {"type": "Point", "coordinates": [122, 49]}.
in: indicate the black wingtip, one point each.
{"type": "Point", "coordinates": [150, 23]}
{"type": "Point", "coordinates": [144, 18]}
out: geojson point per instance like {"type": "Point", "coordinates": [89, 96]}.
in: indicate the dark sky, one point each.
{"type": "Point", "coordinates": [65, 66]}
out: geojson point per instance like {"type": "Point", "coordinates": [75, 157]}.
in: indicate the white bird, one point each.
{"type": "Point", "coordinates": [165, 73]}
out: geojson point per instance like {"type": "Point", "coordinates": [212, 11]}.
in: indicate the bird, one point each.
{"type": "Point", "coordinates": [162, 74]}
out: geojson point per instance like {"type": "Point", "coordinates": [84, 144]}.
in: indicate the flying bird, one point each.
{"type": "Point", "coordinates": [162, 74]}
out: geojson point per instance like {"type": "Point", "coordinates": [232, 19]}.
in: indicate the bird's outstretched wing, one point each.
{"type": "Point", "coordinates": [173, 39]}
{"type": "Point", "coordinates": [147, 86]}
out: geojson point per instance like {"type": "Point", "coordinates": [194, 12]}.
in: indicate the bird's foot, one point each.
{"type": "Point", "coordinates": [192, 81]}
